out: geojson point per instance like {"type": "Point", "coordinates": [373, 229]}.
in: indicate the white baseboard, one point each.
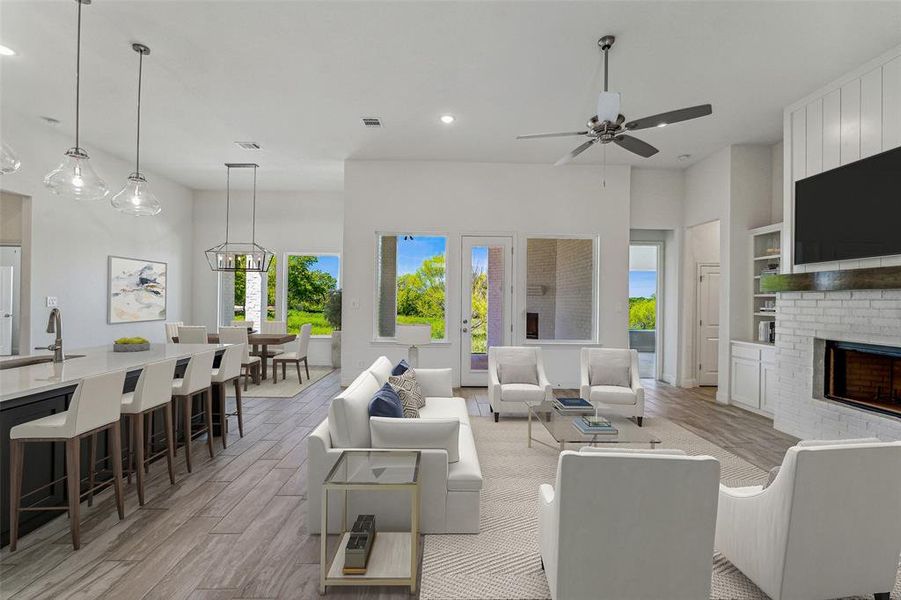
{"type": "Point", "coordinates": [689, 383]}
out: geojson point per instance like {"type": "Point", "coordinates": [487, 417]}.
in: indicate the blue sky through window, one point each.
{"type": "Point", "coordinates": [411, 252]}
{"type": "Point", "coordinates": [480, 258]}
{"type": "Point", "coordinates": [329, 264]}
{"type": "Point", "coordinates": [642, 284]}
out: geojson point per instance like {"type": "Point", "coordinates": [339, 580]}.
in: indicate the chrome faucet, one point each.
{"type": "Point", "coordinates": [55, 325]}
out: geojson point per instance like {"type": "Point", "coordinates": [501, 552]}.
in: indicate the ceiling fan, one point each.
{"type": "Point", "coordinates": [608, 125]}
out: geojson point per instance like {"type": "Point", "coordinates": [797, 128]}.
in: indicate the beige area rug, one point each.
{"type": "Point", "coordinates": [502, 562]}
{"type": "Point", "coordinates": [285, 388]}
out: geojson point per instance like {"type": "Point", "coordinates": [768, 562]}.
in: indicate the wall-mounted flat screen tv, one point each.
{"type": "Point", "coordinates": [850, 212]}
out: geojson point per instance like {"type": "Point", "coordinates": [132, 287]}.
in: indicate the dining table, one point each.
{"type": "Point", "coordinates": [260, 343]}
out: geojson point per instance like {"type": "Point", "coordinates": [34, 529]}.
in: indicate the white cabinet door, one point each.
{"type": "Point", "coordinates": [768, 387]}
{"type": "Point", "coordinates": [746, 382]}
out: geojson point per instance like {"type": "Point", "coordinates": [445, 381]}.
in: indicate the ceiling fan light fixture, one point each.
{"type": "Point", "coordinates": [608, 106]}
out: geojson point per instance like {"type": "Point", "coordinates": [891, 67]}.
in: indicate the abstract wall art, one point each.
{"type": "Point", "coordinates": [137, 290]}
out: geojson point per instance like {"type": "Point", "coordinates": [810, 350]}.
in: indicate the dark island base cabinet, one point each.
{"type": "Point", "coordinates": [46, 462]}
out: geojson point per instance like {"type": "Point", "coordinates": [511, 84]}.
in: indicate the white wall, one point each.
{"type": "Point", "coordinates": [71, 241]}
{"type": "Point", "coordinates": [286, 222]}
{"type": "Point", "coordinates": [777, 193]}
{"type": "Point", "coordinates": [459, 198]}
{"type": "Point", "coordinates": [854, 117]}
{"type": "Point", "coordinates": [657, 198]}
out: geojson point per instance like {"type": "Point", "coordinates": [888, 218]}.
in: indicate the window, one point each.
{"type": "Point", "coordinates": [411, 283]}
{"type": "Point", "coordinates": [310, 279]}
{"type": "Point", "coordinates": [560, 282]}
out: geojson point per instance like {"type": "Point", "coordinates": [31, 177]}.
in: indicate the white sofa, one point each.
{"type": "Point", "coordinates": [610, 397]}
{"type": "Point", "coordinates": [450, 475]}
{"type": "Point", "coordinates": [828, 526]}
{"type": "Point", "coordinates": [625, 523]}
{"type": "Point", "coordinates": [511, 398]}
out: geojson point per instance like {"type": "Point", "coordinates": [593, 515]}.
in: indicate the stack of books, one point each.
{"type": "Point", "coordinates": [575, 406]}
{"type": "Point", "coordinates": [593, 425]}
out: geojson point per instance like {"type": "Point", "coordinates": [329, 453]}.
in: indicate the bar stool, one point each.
{"type": "Point", "coordinates": [196, 382]}
{"type": "Point", "coordinates": [153, 392]}
{"type": "Point", "coordinates": [250, 364]}
{"type": "Point", "coordinates": [230, 371]}
{"type": "Point", "coordinates": [94, 407]}
{"type": "Point", "coordinates": [192, 334]}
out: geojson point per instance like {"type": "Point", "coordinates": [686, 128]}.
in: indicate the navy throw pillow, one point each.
{"type": "Point", "coordinates": [400, 368]}
{"type": "Point", "coordinates": [386, 403]}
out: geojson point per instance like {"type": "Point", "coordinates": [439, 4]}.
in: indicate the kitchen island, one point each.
{"type": "Point", "coordinates": [39, 390]}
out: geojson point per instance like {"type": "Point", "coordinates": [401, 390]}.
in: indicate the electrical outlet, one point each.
{"type": "Point", "coordinates": [52, 302]}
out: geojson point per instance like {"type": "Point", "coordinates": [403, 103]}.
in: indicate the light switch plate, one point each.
{"type": "Point", "coordinates": [52, 302]}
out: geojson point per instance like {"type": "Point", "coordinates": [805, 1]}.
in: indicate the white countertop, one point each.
{"type": "Point", "coordinates": [24, 381]}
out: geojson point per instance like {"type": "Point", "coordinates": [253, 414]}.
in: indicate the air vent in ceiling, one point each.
{"type": "Point", "coordinates": [372, 122]}
{"type": "Point", "coordinates": [248, 145]}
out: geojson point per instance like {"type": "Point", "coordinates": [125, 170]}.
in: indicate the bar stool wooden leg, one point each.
{"type": "Point", "coordinates": [148, 436]}
{"type": "Point", "coordinates": [186, 415]}
{"type": "Point", "coordinates": [129, 448]}
{"type": "Point", "coordinates": [208, 410]}
{"type": "Point", "coordinates": [139, 454]}
{"type": "Point", "coordinates": [170, 442]}
{"type": "Point", "coordinates": [246, 376]}
{"type": "Point", "coordinates": [239, 410]}
{"type": "Point", "coordinates": [173, 408]}
{"type": "Point", "coordinates": [223, 414]}
{"type": "Point", "coordinates": [73, 487]}
{"type": "Point", "coordinates": [116, 457]}
{"type": "Point", "coordinates": [92, 465]}
{"type": "Point", "coordinates": [16, 463]}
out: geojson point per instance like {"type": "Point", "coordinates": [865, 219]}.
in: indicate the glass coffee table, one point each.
{"type": "Point", "coordinates": [560, 426]}
{"type": "Point", "coordinates": [393, 559]}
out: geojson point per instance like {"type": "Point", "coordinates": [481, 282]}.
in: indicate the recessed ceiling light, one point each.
{"type": "Point", "coordinates": [50, 121]}
{"type": "Point", "coordinates": [6, 51]}
{"type": "Point", "coordinates": [447, 119]}
{"type": "Point", "coordinates": [684, 157]}
{"type": "Point", "coordinates": [661, 124]}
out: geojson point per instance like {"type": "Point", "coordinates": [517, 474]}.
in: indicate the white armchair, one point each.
{"type": "Point", "coordinates": [523, 382]}
{"type": "Point", "coordinates": [828, 526]}
{"type": "Point", "coordinates": [609, 380]}
{"type": "Point", "coordinates": [629, 524]}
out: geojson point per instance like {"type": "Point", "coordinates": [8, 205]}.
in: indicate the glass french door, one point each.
{"type": "Point", "coordinates": [487, 303]}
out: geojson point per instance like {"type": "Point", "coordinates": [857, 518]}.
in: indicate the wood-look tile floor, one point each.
{"type": "Point", "coordinates": [235, 527]}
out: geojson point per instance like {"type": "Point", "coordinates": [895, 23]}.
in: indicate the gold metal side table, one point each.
{"type": "Point", "coordinates": [394, 557]}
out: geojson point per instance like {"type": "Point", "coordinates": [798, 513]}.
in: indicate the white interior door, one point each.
{"type": "Point", "coordinates": [6, 311]}
{"type": "Point", "coordinates": [487, 292]}
{"type": "Point", "coordinates": [708, 323]}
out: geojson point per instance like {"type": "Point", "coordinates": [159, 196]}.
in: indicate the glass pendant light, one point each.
{"type": "Point", "coordinates": [75, 177]}
{"type": "Point", "coordinates": [136, 198]}
{"type": "Point", "coordinates": [9, 162]}
{"type": "Point", "coordinates": [239, 256]}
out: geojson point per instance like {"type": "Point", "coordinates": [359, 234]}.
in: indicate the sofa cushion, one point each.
{"type": "Point", "coordinates": [400, 368]}
{"type": "Point", "coordinates": [613, 370]}
{"type": "Point", "coordinates": [386, 403]}
{"type": "Point", "coordinates": [465, 475]}
{"type": "Point", "coordinates": [516, 373]}
{"type": "Point", "coordinates": [443, 434]}
{"type": "Point", "coordinates": [348, 414]}
{"type": "Point", "coordinates": [443, 408]}
{"type": "Point", "coordinates": [522, 392]}
{"type": "Point", "coordinates": [612, 394]}
{"type": "Point", "coordinates": [381, 370]}
{"type": "Point", "coordinates": [409, 391]}
{"type": "Point", "coordinates": [816, 443]}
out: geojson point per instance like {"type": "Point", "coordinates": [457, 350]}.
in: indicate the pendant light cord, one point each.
{"type": "Point", "coordinates": [253, 233]}
{"type": "Point", "coordinates": [77, 74]}
{"type": "Point", "coordinates": [138, 140]}
{"type": "Point", "coordinates": [228, 177]}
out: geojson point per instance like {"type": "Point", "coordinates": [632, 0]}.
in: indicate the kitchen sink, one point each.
{"type": "Point", "coordinates": [27, 361]}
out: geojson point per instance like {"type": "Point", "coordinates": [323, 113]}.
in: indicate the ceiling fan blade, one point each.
{"type": "Point", "coordinates": [633, 144]}
{"type": "Point", "coordinates": [673, 116]}
{"type": "Point", "coordinates": [532, 136]}
{"type": "Point", "coordinates": [576, 152]}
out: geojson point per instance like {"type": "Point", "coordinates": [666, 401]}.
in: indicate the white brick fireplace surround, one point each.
{"type": "Point", "coordinates": [868, 317]}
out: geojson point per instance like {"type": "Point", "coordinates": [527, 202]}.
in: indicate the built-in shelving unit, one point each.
{"type": "Point", "coordinates": [766, 253]}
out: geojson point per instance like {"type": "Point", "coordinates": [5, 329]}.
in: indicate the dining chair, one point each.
{"type": "Point", "coordinates": [296, 352]}
{"type": "Point", "coordinates": [250, 364]}
{"type": "Point", "coordinates": [172, 330]}
{"type": "Point", "coordinates": [192, 334]}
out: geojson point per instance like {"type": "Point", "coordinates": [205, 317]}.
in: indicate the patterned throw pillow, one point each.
{"type": "Point", "coordinates": [409, 391]}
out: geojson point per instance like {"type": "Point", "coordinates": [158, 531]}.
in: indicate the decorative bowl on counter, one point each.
{"type": "Point", "coordinates": [131, 344]}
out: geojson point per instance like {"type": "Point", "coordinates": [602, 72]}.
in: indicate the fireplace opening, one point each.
{"type": "Point", "coordinates": [864, 375]}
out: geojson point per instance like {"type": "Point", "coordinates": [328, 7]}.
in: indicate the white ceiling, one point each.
{"type": "Point", "coordinates": [297, 76]}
